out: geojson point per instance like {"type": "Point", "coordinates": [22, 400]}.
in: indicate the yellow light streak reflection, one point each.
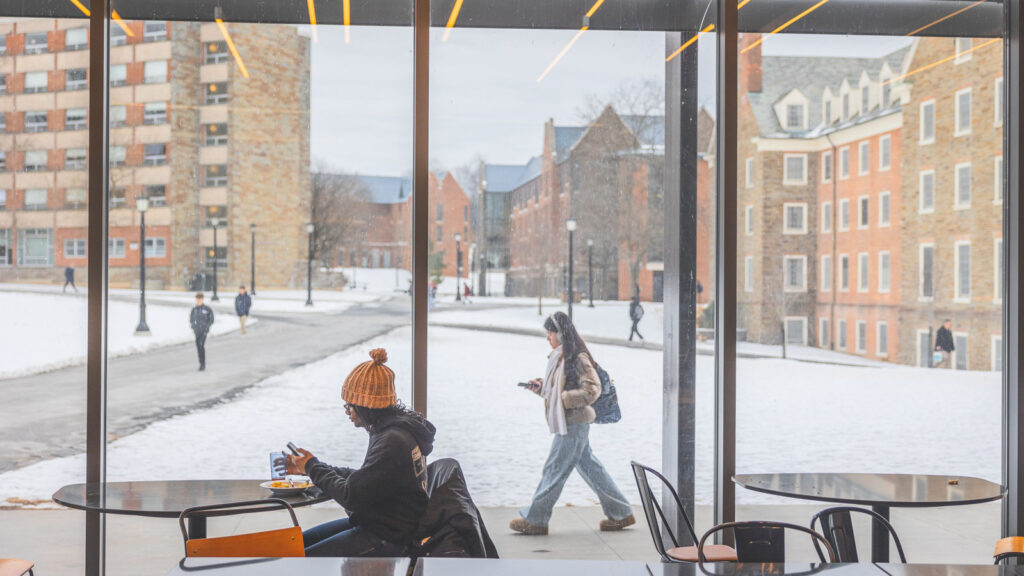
{"type": "Point", "coordinates": [686, 44]}
{"type": "Point", "coordinates": [785, 25]}
{"type": "Point", "coordinates": [231, 47]}
{"type": "Point", "coordinates": [947, 17]}
{"type": "Point", "coordinates": [311, 7]}
{"type": "Point", "coordinates": [586, 19]}
{"type": "Point", "coordinates": [80, 6]}
{"type": "Point", "coordinates": [939, 62]}
{"type": "Point", "coordinates": [451, 20]}
{"type": "Point", "coordinates": [117, 20]}
{"type": "Point", "coordinates": [346, 12]}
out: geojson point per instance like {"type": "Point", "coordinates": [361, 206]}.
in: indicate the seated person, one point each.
{"type": "Point", "coordinates": [386, 497]}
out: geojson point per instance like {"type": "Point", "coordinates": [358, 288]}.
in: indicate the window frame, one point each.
{"type": "Point", "coordinates": [748, 274]}
{"type": "Point", "coordinates": [841, 333]}
{"type": "Point", "coordinates": [921, 208]}
{"type": "Point", "coordinates": [786, 287]}
{"type": "Point", "coordinates": [843, 270]}
{"type": "Point", "coordinates": [78, 248]}
{"type": "Point", "coordinates": [786, 228]}
{"type": "Point", "coordinates": [844, 163]}
{"type": "Point", "coordinates": [884, 284]}
{"type": "Point", "coordinates": [844, 214]}
{"type": "Point", "coordinates": [958, 294]}
{"type": "Point", "coordinates": [884, 153]}
{"type": "Point", "coordinates": [825, 273]}
{"type": "Point", "coordinates": [748, 223]}
{"type": "Point", "coordinates": [861, 330]}
{"type": "Point", "coordinates": [863, 272]}
{"type": "Point", "coordinates": [787, 180]}
{"type": "Point", "coordinates": [826, 166]}
{"type": "Point", "coordinates": [884, 209]}
{"type": "Point", "coordinates": [958, 129]}
{"type": "Point", "coordinates": [964, 347]}
{"type": "Point", "coordinates": [863, 212]}
{"type": "Point", "coordinates": [921, 297]}
{"type": "Point", "coordinates": [863, 158]}
{"type": "Point", "coordinates": [923, 138]}
{"type": "Point", "coordinates": [880, 327]}
{"type": "Point", "coordinates": [826, 216]}
{"type": "Point", "coordinates": [958, 203]}
{"type": "Point", "coordinates": [749, 172]}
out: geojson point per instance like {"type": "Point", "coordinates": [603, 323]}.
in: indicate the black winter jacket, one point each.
{"type": "Point", "coordinates": [242, 304]}
{"type": "Point", "coordinates": [388, 494]}
{"type": "Point", "coordinates": [201, 319]}
{"type": "Point", "coordinates": [944, 340]}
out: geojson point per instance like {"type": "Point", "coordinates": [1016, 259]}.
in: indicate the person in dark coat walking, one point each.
{"type": "Point", "coordinates": [944, 344]}
{"type": "Point", "coordinates": [69, 278]}
{"type": "Point", "coordinates": [636, 313]}
{"type": "Point", "coordinates": [201, 319]}
{"type": "Point", "coordinates": [243, 302]}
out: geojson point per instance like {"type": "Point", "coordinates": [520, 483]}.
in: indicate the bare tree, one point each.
{"type": "Point", "coordinates": [339, 207]}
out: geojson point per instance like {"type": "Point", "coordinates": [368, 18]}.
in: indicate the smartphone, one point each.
{"type": "Point", "coordinates": [294, 449]}
{"type": "Point", "coordinates": [278, 469]}
{"type": "Point", "coordinates": [524, 384]}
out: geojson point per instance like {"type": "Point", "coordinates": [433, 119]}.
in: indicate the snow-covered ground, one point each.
{"type": "Point", "coordinates": [40, 332]}
{"type": "Point", "coordinates": [791, 416]}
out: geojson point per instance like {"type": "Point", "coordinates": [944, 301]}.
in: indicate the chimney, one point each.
{"type": "Point", "coordinates": [750, 64]}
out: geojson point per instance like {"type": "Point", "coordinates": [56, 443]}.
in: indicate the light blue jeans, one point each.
{"type": "Point", "coordinates": [569, 452]}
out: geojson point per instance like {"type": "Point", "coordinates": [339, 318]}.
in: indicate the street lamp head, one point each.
{"type": "Point", "coordinates": [252, 227]}
{"type": "Point", "coordinates": [570, 224]}
{"type": "Point", "coordinates": [458, 237]}
{"type": "Point", "coordinates": [215, 222]}
{"type": "Point", "coordinates": [142, 204]}
{"type": "Point", "coordinates": [309, 227]}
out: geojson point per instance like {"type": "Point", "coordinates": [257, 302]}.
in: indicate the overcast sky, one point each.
{"type": "Point", "coordinates": [485, 100]}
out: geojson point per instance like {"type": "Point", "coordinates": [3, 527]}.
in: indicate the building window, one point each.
{"type": "Point", "coordinates": [6, 253]}
{"type": "Point", "coordinates": [118, 116]}
{"type": "Point", "coordinates": [215, 52]}
{"type": "Point", "coordinates": [884, 208]}
{"type": "Point", "coordinates": [863, 158]}
{"type": "Point", "coordinates": [75, 198]}
{"type": "Point", "coordinates": [844, 273]}
{"type": "Point", "coordinates": [115, 248]}
{"type": "Point", "coordinates": [74, 248]}
{"type": "Point", "coordinates": [35, 121]}
{"type": "Point", "coordinates": [826, 216]}
{"type": "Point", "coordinates": [749, 173]}
{"type": "Point", "coordinates": [883, 272]}
{"type": "Point", "coordinates": [882, 339]}
{"type": "Point", "coordinates": [35, 82]}
{"type": "Point", "coordinates": [999, 179]}
{"type": "Point", "coordinates": [35, 199]}
{"type": "Point", "coordinates": [440, 212]}
{"type": "Point", "coordinates": [960, 354]}
{"type": "Point", "coordinates": [156, 247]}
{"type": "Point", "coordinates": [3, 44]}
{"type": "Point", "coordinates": [863, 212]}
{"type": "Point", "coordinates": [844, 163]}
{"type": "Point", "coordinates": [3, 82]}
{"type": "Point", "coordinates": [3, 160]}
{"type": "Point", "coordinates": [998, 103]}
{"type": "Point", "coordinates": [795, 167]}
{"type": "Point", "coordinates": [862, 336]}
{"type": "Point", "coordinates": [997, 267]}
{"type": "Point", "coordinates": [926, 186]}
{"type": "Point", "coordinates": [794, 116]}
{"type": "Point", "coordinates": [215, 175]}
{"type": "Point", "coordinates": [826, 272]}
{"type": "Point", "coordinates": [963, 271]}
{"type": "Point", "coordinates": [118, 74]}
{"type": "Point", "coordinates": [220, 255]}
{"type": "Point", "coordinates": [440, 234]}
{"type": "Point", "coordinates": [117, 197]}
{"type": "Point", "coordinates": [76, 39]}
{"type": "Point", "coordinates": [35, 43]}
{"type": "Point", "coordinates": [795, 219]}
{"type": "Point", "coordinates": [216, 93]}
{"type": "Point", "coordinates": [963, 112]}
{"type": "Point", "coordinates": [862, 272]}
{"type": "Point", "coordinates": [216, 134]}
{"type": "Point", "coordinates": [155, 32]}
{"type": "Point", "coordinates": [35, 247]}
{"type": "Point", "coordinates": [155, 72]}
{"type": "Point", "coordinates": [846, 106]}
{"type": "Point", "coordinates": [844, 214]}
{"type": "Point", "coordinates": [75, 79]}
{"type": "Point", "coordinates": [796, 330]}
{"type": "Point", "coordinates": [926, 287]}
{"type": "Point", "coordinates": [997, 350]}
{"type": "Point", "coordinates": [748, 274]}
{"type": "Point", "coordinates": [927, 122]}
{"type": "Point", "coordinates": [748, 223]}
{"type": "Point", "coordinates": [117, 156]}
{"type": "Point", "coordinates": [795, 273]}
{"type": "Point", "coordinates": [74, 159]}
{"type": "Point", "coordinates": [75, 119]}
{"type": "Point", "coordinates": [865, 99]}
{"type": "Point", "coordinates": [118, 36]}
{"type": "Point", "coordinates": [3, 199]}
{"type": "Point", "coordinates": [884, 152]}
{"type": "Point", "coordinates": [157, 195]}
{"type": "Point", "coordinates": [155, 113]}
{"type": "Point", "coordinates": [963, 49]}
{"type": "Point", "coordinates": [962, 185]}
{"type": "Point", "coordinates": [841, 333]}
{"type": "Point", "coordinates": [826, 166]}
{"type": "Point", "coordinates": [823, 332]}
{"type": "Point", "coordinates": [211, 212]}
{"type": "Point", "coordinates": [35, 160]}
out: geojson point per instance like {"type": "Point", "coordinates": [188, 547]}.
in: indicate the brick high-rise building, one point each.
{"type": "Point", "coordinates": [187, 130]}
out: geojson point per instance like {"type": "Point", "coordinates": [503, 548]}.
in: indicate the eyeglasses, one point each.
{"type": "Point", "coordinates": [348, 407]}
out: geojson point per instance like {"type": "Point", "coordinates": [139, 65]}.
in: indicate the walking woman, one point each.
{"type": "Point", "coordinates": [570, 385]}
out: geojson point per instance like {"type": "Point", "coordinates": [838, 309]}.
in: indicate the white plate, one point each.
{"type": "Point", "coordinates": [287, 491]}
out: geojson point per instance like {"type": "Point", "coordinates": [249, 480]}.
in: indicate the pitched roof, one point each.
{"type": "Point", "coordinates": [502, 177]}
{"type": "Point", "coordinates": [649, 130]}
{"type": "Point", "coordinates": [387, 189]}
{"type": "Point", "coordinates": [565, 138]}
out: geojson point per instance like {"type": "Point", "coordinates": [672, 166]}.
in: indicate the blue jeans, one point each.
{"type": "Point", "coordinates": [570, 452]}
{"type": "Point", "coordinates": [340, 538]}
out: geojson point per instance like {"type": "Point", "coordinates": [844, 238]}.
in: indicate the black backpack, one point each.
{"type": "Point", "coordinates": [607, 404]}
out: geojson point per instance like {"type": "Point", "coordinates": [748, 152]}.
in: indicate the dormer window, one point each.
{"type": "Point", "coordinates": [865, 100]}
{"type": "Point", "coordinates": [846, 106]}
{"type": "Point", "coordinates": [794, 116]}
{"type": "Point", "coordinates": [886, 94]}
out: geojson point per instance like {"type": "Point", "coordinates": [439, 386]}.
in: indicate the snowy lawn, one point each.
{"type": "Point", "coordinates": [792, 416]}
{"type": "Point", "coordinates": [40, 332]}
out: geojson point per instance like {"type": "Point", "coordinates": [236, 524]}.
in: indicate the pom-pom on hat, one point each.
{"type": "Point", "coordinates": [371, 384]}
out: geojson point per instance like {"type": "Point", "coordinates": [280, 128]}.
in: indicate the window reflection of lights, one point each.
{"type": "Point", "coordinates": [687, 44]}
{"type": "Point", "coordinates": [939, 62]}
{"type": "Point", "coordinates": [120, 22]}
{"type": "Point", "coordinates": [785, 25]}
{"type": "Point", "coordinates": [231, 47]}
{"type": "Point", "coordinates": [451, 20]}
{"type": "Point", "coordinates": [346, 17]}
{"type": "Point", "coordinates": [586, 26]}
{"type": "Point", "coordinates": [80, 6]}
{"type": "Point", "coordinates": [312, 18]}
{"type": "Point", "coordinates": [947, 17]}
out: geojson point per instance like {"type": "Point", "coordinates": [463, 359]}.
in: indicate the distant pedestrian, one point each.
{"type": "Point", "coordinates": [466, 292]}
{"type": "Point", "coordinates": [69, 278]}
{"type": "Point", "coordinates": [944, 344]}
{"type": "Point", "coordinates": [636, 313]}
{"type": "Point", "coordinates": [242, 305]}
{"type": "Point", "coordinates": [201, 319]}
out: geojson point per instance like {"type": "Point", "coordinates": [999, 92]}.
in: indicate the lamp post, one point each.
{"type": "Point", "coordinates": [216, 222]}
{"type": "Point", "coordinates": [142, 204]}
{"type": "Point", "coordinates": [309, 265]}
{"type": "Point", "coordinates": [570, 225]}
{"type": "Point", "coordinates": [458, 267]}
{"type": "Point", "coordinates": [252, 261]}
{"type": "Point", "coordinates": [590, 271]}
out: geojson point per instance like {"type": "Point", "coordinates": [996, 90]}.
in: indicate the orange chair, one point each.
{"type": "Point", "coordinates": [285, 542]}
{"type": "Point", "coordinates": [15, 567]}
{"type": "Point", "coordinates": [1012, 547]}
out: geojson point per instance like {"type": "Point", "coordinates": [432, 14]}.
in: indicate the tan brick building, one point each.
{"type": "Point", "coordinates": [187, 130]}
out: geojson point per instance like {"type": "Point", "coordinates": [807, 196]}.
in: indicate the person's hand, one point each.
{"type": "Point", "coordinates": [534, 385]}
{"type": "Point", "coordinates": [297, 464]}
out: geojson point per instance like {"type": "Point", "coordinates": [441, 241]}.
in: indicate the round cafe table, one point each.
{"type": "Point", "coordinates": [880, 491]}
{"type": "Point", "coordinates": [167, 499]}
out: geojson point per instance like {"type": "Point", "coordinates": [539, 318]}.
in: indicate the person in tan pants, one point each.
{"type": "Point", "coordinates": [243, 302]}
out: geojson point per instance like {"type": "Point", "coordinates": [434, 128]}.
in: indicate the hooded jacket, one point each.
{"type": "Point", "coordinates": [388, 494]}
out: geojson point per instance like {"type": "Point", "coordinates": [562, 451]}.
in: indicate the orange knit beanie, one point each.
{"type": "Point", "coordinates": [371, 384]}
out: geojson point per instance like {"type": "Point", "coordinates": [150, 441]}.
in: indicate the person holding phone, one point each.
{"type": "Point", "coordinates": [387, 495]}
{"type": "Point", "coordinates": [569, 387]}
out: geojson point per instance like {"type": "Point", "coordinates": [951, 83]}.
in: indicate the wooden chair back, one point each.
{"type": "Point", "coordinates": [15, 567]}
{"type": "Point", "coordinates": [280, 543]}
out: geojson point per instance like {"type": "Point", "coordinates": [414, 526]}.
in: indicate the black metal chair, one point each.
{"type": "Point", "coordinates": [659, 525]}
{"type": "Point", "coordinates": [763, 542]}
{"type": "Point", "coordinates": [837, 527]}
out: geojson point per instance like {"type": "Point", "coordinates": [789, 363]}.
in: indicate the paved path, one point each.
{"type": "Point", "coordinates": [44, 414]}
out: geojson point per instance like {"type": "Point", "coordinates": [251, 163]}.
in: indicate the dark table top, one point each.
{"type": "Point", "coordinates": [512, 567]}
{"type": "Point", "coordinates": [896, 490]}
{"type": "Point", "coordinates": [168, 498]}
{"type": "Point", "coordinates": [290, 566]}
{"type": "Point", "coordinates": [861, 569]}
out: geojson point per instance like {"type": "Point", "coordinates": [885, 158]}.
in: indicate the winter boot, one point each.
{"type": "Point", "coordinates": [523, 527]}
{"type": "Point", "coordinates": [609, 525]}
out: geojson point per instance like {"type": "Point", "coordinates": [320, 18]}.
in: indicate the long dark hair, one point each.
{"type": "Point", "coordinates": [371, 417]}
{"type": "Point", "coordinates": [572, 344]}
